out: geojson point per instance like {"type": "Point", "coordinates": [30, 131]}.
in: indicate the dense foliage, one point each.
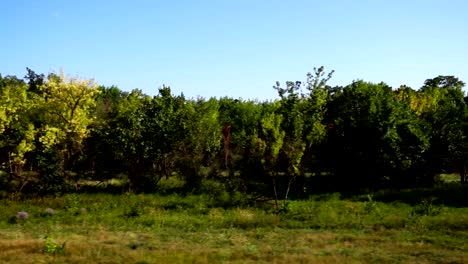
{"type": "Point", "coordinates": [58, 132]}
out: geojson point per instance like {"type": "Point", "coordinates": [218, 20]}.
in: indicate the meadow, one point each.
{"type": "Point", "coordinates": [408, 226]}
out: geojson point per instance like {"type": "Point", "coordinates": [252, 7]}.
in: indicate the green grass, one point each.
{"type": "Point", "coordinates": [444, 177]}
{"type": "Point", "coordinates": [128, 228]}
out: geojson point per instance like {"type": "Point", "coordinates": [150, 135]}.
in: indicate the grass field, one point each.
{"type": "Point", "coordinates": [219, 228]}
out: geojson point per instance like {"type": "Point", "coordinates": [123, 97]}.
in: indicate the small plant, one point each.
{"type": "Point", "coordinates": [72, 203]}
{"type": "Point", "coordinates": [370, 205]}
{"type": "Point", "coordinates": [285, 208]}
{"type": "Point", "coordinates": [133, 210]}
{"type": "Point", "coordinates": [427, 208]}
{"type": "Point", "coordinates": [51, 247]}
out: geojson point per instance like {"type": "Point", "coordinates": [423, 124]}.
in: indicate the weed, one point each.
{"type": "Point", "coordinates": [51, 247]}
{"type": "Point", "coordinates": [427, 208]}
{"type": "Point", "coordinates": [72, 203]}
{"type": "Point", "coordinates": [284, 209]}
{"type": "Point", "coordinates": [132, 211]}
{"type": "Point", "coordinates": [133, 208]}
{"type": "Point", "coordinates": [370, 206]}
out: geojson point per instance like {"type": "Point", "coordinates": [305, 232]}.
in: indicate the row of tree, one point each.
{"type": "Point", "coordinates": [57, 130]}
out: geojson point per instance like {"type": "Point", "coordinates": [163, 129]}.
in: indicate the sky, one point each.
{"type": "Point", "coordinates": [235, 48]}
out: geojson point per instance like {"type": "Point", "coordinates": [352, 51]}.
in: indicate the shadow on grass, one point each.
{"type": "Point", "coordinates": [448, 194]}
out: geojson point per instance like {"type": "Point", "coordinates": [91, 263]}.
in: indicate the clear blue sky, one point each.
{"type": "Point", "coordinates": [236, 48]}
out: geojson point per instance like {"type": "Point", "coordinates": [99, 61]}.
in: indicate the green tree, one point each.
{"type": "Point", "coordinates": [303, 123]}
{"type": "Point", "coordinates": [443, 82]}
{"type": "Point", "coordinates": [441, 106]}
{"type": "Point", "coordinates": [147, 135]}
{"type": "Point", "coordinates": [268, 143]}
{"type": "Point", "coordinates": [374, 136]}
{"type": "Point", "coordinates": [164, 130]}
{"type": "Point", "coordinates": [241, 118]}
{"type": "Point", "coordinates": [35, 81]}
{"type": "Point", "coordinates": [201, 142]}
{"type": "Point", "coordinates": [127, 137]}
{"type": "Point", "coordinates": [101, 161]}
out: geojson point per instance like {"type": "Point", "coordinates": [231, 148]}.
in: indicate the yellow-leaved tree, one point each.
{"type": "Point", "coordinates": [16, 132]}
{"type": "Point", "coordinates": [67, 108]}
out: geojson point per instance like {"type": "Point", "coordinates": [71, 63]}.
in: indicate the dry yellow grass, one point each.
{"type": "Point", "coordinates": [280, 246]}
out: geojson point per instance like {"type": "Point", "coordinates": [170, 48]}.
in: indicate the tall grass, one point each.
{"type": "Point", "coordinates": [223, 227]}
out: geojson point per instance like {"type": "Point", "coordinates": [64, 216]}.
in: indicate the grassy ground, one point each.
{"type": "Point", "coordinates": [127, 228]}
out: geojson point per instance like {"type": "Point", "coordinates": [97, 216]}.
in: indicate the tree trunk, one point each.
{"type": "Point", "coordinates": [463, 175]}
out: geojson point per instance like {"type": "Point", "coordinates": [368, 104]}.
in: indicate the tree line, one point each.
{"type": "Point", "coordinates": [57, 131]}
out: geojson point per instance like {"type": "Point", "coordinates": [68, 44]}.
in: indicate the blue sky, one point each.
{"type": "Point", "coordinates": [236, 48]}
